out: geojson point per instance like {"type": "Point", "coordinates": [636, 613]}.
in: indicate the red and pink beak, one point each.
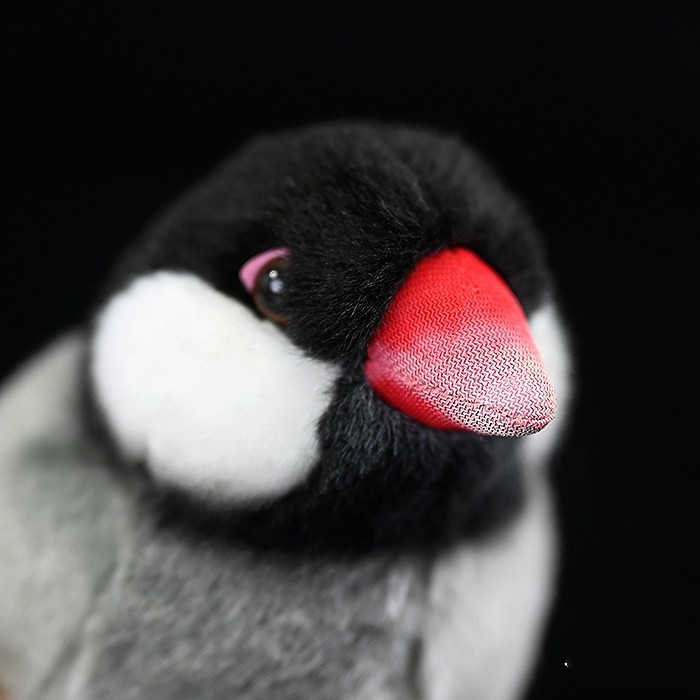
{"type": "Point", "coordinates": [454, 351]}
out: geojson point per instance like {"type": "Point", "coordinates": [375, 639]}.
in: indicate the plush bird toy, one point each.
{"type": "Point", "coordinates": [296, 453]}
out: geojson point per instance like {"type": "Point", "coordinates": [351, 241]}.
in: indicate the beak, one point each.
{"type": "Point", "coordinates": [454, 351]}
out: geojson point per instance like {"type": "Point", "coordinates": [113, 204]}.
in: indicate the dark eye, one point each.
{"type": "Point", "coordinates": [264, 277]}
{"type": "Point", "coordinates": [270, 288]}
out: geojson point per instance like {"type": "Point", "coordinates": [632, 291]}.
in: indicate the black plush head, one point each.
{"type": "Point", "coordinates": [355, 207]}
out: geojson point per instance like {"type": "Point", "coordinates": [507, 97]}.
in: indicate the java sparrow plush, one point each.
{"type": "Point", "coordinates": [300, 450]}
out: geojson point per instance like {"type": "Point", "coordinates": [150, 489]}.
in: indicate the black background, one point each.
{"type": "Point", "coordinates": [587, 109]}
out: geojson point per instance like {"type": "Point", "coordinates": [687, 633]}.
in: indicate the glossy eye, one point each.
{"type": "Point", "coordinates": [265, 278]}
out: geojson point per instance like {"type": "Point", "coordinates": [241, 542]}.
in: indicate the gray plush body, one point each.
{"type": "Point", "coordinates": [96, 604]}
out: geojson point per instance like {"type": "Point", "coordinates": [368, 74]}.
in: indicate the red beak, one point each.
{"type": "Point", "coordinates": [454, 351]}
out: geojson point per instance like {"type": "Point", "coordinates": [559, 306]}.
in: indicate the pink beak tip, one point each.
{"type": "Point", "coordinates": [454, 351]}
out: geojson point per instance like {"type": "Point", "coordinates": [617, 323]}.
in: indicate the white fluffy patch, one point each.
{"type": "Point", "coordinates": [212, 398]}
{"type": "Point", "coordinates": [488, 603]}
{"type": "Point", "coordinates": [550, 337]}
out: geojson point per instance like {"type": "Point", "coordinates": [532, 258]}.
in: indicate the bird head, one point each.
{"type": "Point", "coordinates": [332, 341]}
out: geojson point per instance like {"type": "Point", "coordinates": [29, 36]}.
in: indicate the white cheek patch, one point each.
{"type": "Point", "coordinates": [550, 337]}
{"type": "Point", "coordinates": [213, 399]}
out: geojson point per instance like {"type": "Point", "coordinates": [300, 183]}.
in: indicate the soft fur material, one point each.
{"type": "Point", "coordinates": [379, 558]}
{"type": "Point", "coordinates": [357, 205]}
{"type": "Point", "coordinates": [221, 423]}
{"type": "Point", "coordinates": [97, 601]}
{"type": "Point", "coordinates": [58, 511]}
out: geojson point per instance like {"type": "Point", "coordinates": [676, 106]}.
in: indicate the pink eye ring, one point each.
{"type": "Point", "coordinates": [249, 273]}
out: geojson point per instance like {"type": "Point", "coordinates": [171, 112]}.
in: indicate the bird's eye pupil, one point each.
{"type": "Point", "coordinates": [276, 282]}
{"type": "Point", "coordinates": [271, 282]}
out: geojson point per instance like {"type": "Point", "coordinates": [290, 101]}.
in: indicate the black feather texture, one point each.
{"type": "Point", "coordinates": [357, 205]}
